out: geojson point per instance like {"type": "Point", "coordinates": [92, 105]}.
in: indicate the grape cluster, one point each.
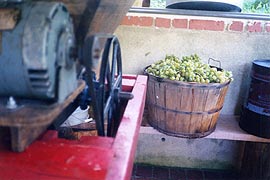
{"type": "Point", "coordinates": [188, 69]}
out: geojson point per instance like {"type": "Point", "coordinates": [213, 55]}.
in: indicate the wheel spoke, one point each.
{"type": "Point", "coordinates": [105, 92]}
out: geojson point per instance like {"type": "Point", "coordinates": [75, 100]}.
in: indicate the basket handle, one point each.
{"type": "Point", "coordinates": [211, 59]}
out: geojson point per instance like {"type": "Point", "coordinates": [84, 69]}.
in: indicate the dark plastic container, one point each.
{"type": "Point", "coordinates": [255, 117]}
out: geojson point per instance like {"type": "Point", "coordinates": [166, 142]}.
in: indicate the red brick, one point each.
{"type": "Point", "coordinates": [163, 22]}
{"type": "Point", "coordinates": [267, 27]}
{"type": "Point", "coordinates": [137, 21]}
{"type": "Point", "coordinates": [237, 26]}
{"type": "Point", "coordinates": [144, 171]}
{"type": "Point", "coordinates": [145, 21]}
{"type": "Point", "coordinates": [180, 23]}
{"type": "Point", "coordinates": [161, 172]}
{"type": "Point", "coordinates": [177, 173]}
{"type": "Point", "coordinates": [254, 27]}
{"type": "Point", "coordinates": [130, 20]}
{"type": "Point", "coordinates": [194, 174]}
{"type": "Point", "coordinates": [206, 25]}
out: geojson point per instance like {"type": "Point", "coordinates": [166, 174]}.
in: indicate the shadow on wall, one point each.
{"type": "Point", "coordinates": [244, 89]}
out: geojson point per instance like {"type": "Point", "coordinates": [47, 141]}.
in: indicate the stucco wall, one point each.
{"type": "Point", "coordinates": [202, 153]}
{"type": "Point", "coordinates": [146, 38]}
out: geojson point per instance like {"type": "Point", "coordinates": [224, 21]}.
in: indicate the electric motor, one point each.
{"type": "Point", "coordinates": [36, 55]}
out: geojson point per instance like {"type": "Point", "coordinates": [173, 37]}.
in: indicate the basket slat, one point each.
{"type": "Point", "coordinates": [184, 109]}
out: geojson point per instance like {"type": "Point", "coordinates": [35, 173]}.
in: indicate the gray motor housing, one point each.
{"type": "Point", "coordinates": [35, 57]}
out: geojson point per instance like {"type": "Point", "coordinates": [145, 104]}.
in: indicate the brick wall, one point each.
{"type": "Point", "coordinates": [148, 37]}
{"type": "Point", "coordinates": [232, 25]}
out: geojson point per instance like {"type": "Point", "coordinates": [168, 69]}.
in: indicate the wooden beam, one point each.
{"type": "Point", "coordinates": [8, 18]}
{"type": "Point", "coordinates": [107, 15]}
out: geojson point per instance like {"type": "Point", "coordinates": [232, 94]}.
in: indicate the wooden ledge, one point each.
{"type": "Point", "coordinates": [227, 129]}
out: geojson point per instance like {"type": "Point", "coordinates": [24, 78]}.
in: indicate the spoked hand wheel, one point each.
{"type": "Point", "coordinates": [102, 58]}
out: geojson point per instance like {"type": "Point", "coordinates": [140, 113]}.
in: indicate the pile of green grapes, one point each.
{"type": "Point", "coordinates": [188, 69]}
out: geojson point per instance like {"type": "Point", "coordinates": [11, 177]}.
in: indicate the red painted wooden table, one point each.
{"type": "Point", "coordinates": [91, 157]}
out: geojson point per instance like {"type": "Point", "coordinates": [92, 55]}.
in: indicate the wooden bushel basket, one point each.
{"type": "Point", "coordinates": [184, 109]}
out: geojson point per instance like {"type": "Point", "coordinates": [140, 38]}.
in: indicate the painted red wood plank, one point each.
{"type": "Point", "coordinates": [125, 143]}
{"type": "Point", "coordinates": [22, 174]}
{"type": "Point", "coordinates": [128, 82]}
{"type": "Point", "coordinates": [60, 160]}
{"type": "Point", "coordinates": [48, 135]}
{"type": "Point", "coordinates": [90, 157]}
{"type": "Point", "coordinates": [95, 141]}
{"type": "Point", "coordinates": [129, 76]}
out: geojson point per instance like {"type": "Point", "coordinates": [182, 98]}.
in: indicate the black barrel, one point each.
{"type": "Point", "coordinates": [255, 117]}
{"type": "Point", "coordinates": [206, 5]}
